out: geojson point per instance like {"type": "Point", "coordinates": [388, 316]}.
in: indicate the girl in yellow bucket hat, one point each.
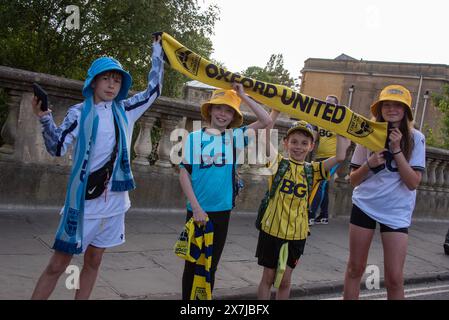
{"type": "Point", "coordinates": [385, 192]}
{"type": "Point", "coordinates": [208, 169]}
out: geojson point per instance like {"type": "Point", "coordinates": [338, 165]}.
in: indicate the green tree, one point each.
{"type": "Point", "coordinates": [34, 36]}
{"type": "Point", "coordinates": [273, 72]}
{"type": "Point", "coordinates": [441, 102]}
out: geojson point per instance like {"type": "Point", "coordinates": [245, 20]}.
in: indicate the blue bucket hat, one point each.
{"type": "Point", "coordinates": [101, 65]}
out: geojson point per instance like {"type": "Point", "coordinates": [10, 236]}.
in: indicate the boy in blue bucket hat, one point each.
{"type": "Point", "coordinates": [97, 199]}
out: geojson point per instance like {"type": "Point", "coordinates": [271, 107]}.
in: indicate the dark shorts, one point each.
{"type": "Point", "coordinates": [268, 248]}
{"type": "Point", "coordinates": [361, 219]}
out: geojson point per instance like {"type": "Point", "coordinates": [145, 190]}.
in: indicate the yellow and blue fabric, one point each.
{"type": "Point", "coordinates": [337, 118]}
{"type": "Point", "coordinates": [318, 193]}
{"type": "Point", "coordinates": [195, 244]}
{"type": "Point", "coordinates": [211, 161]}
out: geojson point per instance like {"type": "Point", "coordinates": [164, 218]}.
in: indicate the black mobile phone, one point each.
{"type": "Point", "coordinates": [41, 95]}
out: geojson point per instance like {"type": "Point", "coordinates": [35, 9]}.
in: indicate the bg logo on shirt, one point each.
{"type": "Point", "coordinates": [325, 133]}
{"type": "Point", "coordinates": [217, 160]}
{"type": "Point", "coordinates": [289, 187]}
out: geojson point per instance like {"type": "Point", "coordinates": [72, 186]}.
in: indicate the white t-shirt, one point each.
{"type": "Point", "coordinates": [115, 202]}
{"type": "Point", "coordinates": [382, 195]}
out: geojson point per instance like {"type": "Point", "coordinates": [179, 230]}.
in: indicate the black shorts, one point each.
{"type": "Point", "coordinates": [361, 219]}
{"type": "Point", "coordinates": [268, 248]}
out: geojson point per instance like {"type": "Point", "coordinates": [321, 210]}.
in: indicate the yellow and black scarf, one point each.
{"type": "Point", "coordinates": [195, 244]}
{"type": "Point", "coordinates": [337, 118]}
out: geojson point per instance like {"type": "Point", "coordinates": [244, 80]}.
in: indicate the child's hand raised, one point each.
{"type": "Point", "coordinates": [238, 87]}
{"type": "Point", "coordinates": [157, 37]}
{"type": "Point", "coordinates": [36, 105]}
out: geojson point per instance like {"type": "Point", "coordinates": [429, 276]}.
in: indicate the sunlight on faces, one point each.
{"type": "Point", "coordinates": [298, 144]}
{"type": "Point", "coordinates": [107, 86]}
{"type": "Point", "coordinates": [393, 111]}
{"type": "Point", "coordinates": [221, 116]}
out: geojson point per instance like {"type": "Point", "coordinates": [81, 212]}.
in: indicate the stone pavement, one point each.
{"type": "Point", "coordinates": [146, 268]}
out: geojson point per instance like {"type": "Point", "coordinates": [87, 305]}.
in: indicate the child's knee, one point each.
{"type": "Point", "coordinates": [268, 277]}
{"type": "Point", "coordinates": [57, 266]}
{"type": "Point", "coordinates": [92, 258]}
{"type": "Point", "coordinates": [355, 270]}
{"type": "Point", "coordinates": [285, 283]}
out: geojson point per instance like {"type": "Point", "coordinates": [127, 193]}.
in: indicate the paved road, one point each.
{"type": "Point", "coordinates": [146, 268]}
{"type": "Point", "coordinates": [436, 290]}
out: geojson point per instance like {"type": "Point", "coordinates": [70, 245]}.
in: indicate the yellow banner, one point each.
{"type": "Point", "coordinates": [337, 118]}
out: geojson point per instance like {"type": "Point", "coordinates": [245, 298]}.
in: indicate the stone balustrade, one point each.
{"type": "Point", "coordinates": [31, 177]}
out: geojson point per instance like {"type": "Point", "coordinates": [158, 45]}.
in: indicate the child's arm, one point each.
{"type": "Point", "coordinates": [410, 177]}
{"type": "Point", "coordinates": [57, 139]}
{"type": "Point", "coordinates": [139, 103]}
{"type": "Point", "coordinates": [342, 144]}
{"type": "Point", "coordinates": [357, 176]}
{"type": "Point", "coordinates": [263, 119]}
{"type": "Point", "coordinates": [186, 185]}
{"type": "Point", "coordinates": [273, 116]}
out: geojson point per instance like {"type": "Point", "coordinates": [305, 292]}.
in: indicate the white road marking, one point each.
{"type": "Point", "coordinates": [409, 293]}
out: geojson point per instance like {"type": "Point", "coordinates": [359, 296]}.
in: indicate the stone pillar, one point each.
{"type": "Point", "coordinates": [432, 165]}
{"type": "Point", "coordinates": [431, 183]}
{"type": "Point", "coordinates": [446, 177]}
{"type": "Point", "coordinates": [442, 195]}
{"type": "Point", "coordinates": [143, 146]}
{"type": "Point", "coordinates": [439, 175]}
{"type": "Point", "coordinates": [446, 190]}
{"type": "Point", "coordinates": [9, 130]}
{"type": "Point", "coordinates": [282, 133]}
{"type": "Point", "coordinates": [168, 124]}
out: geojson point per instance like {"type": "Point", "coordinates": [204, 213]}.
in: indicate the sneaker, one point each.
{"type": "Point", "coordinates": [446, 248]}
{"type": "Point", "coordinates": [322, 221]}
{"type": "Point", "coordinates": [311, 222]}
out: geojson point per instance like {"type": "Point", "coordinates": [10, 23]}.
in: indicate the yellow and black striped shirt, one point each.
{"type": "Point", "coordinates": [286, 216]}
{"type": "Point", "coordinates": [327, 146]}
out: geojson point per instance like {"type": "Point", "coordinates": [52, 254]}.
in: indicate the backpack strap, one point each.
{"type": "Point", "coordinates": [284, 165]}
{"type": "Point", "coordinates": [308, 171]}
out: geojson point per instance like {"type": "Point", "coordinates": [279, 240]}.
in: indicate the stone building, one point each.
{"type": "Point", "coordinates": [359, 82]}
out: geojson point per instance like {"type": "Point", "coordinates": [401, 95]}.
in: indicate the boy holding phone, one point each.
{"type": "Point", "coordinates": [101, 129]}
{"type": "Point", "coordinates": [41, 95]}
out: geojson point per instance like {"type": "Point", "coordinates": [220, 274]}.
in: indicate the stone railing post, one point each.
{"type": "Point", "coordinates": [143, 145]}
{"type": "Point", "coordinates": [9, 130]}
{"type": "Point", "coordinates": [432, 165]}
{"type": "Point", "coordinates": [168, 124]}
{"type": "Point", "coordinates": [446, 176]}
{"type": "Point", "coordinates": [439, 175]}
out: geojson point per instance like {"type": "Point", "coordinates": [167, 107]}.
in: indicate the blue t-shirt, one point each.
{"type": "Point", "coordinates": [211, 161]}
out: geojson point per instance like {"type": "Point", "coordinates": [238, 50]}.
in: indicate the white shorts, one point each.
{"type": "Point", "coordinates": [104, 232]}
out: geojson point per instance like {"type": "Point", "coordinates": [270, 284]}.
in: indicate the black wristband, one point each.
{"type": "Point", "coordinates": [396, 152]}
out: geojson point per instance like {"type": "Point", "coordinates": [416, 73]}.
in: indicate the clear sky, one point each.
{"type": "Point", "coordinates": [249, 31]}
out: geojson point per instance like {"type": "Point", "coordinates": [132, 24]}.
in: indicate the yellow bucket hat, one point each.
{"type": "Point", "coordinates": [229, 98]}
{"type": "Point", "coordinates": [394, 92]}
{"type": "Point", "coordinates": [301, 125]}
